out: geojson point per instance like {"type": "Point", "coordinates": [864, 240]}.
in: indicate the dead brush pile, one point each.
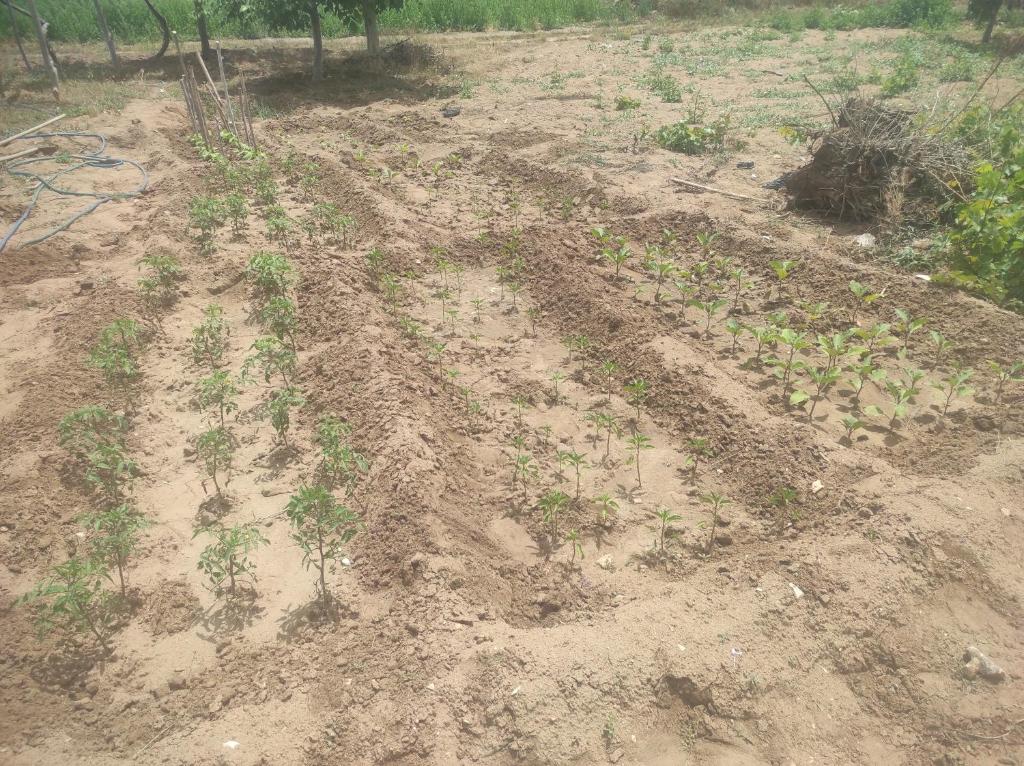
{"type": "Point", "coordinates": [882, 164]}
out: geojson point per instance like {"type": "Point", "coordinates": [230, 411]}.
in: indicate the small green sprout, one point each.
{"type": "Point", "coordinates": [210, 338]}
{"type": "Point", "coordinates": [218, 392]}
{"type": "Point", "coordinates": [279, 409]}
{"type": "Point", "coordinates": [577, 461]}
{"type": "Point", "coordinates": [667, 519]}
{"type": "Point", "coordinates": [865, 297]}
{"type": "Point", "coordinates": [165, 273]}
{"type": "Point", "coordinates": [735, 329]}
{"type": "Point", "coordinates": [321, 527]}
{"type": "Point", "coordinates": [954, 384]}
{"type": "Point", "coordinates": [638, 442]}
{"type": "Point", "coordinates": [607, 505]}
{"type": "Point", "coordinates": [271, 357]}
{"type": "Point", "coordinates": [852, 423]}
{"type": "Point", "coordinates": [717, 502]}
{"type": "Point", "coordinates": [573, 538]}
{"type": "Point", "coordinates": [114, 355]}
{"type": "Point", "coordinates": [637, 392]}
{"type": "Point", "coordinates": [556, 378]}
{"type": "Point", "coordinates": [115, 536]}
{"type": "Point", "coordinates": [908, 325]}
{"type": "Point", "coordinates": [942, 346]}
{"type": "Point", "coordinates": [216, 449]}
{"type": "Point", "coordinates": [1013, 373]}
{"type": "Point", "coordinates": [552, 504]}
{"type": "Point", "coordinates": [617, 257]}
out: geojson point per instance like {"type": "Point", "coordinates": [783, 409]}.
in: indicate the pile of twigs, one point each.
{"type": "Point", "coordinates": [882, 164]}
{"type": "Point", "coordinates": [227, 115]}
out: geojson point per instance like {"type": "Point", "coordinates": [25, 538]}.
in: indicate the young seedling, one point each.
{"type": "Point", "coordinates": [764, 336]}
{"type": "Point", "coordinates": [607, 422]}
{"type": "Point", "coordinates": [278, 317]}
{"type": "Point", "coordinates": [617, 257]}
{"type": "Point", "coordinates": [556, 378]}
{"type": "Point", "coordinates": [865, 297]}
{"type": "Point", "coordinates": [824, 379]}
{"type": "Point", "coordinates": [876, 336]}
{"type": "Point", "coordinates": [90, 427]}
{"type": "Point", "coordinates": [216, 449]}
{"type": "Point", "coordinates": [852, 423]}
{"type": "Point", "coordinates": [710, 309]}
{"type": "Point", "coordinates": [109, 471]}
{"type": "Point", "coordinates": [908, 325]}
{"type": "Point", "coordinates": [663, 270]}
{"type": "Point", "coordinates": [226, 559]}
{"type": "Point", "coordinates": [340, 465]}
{"type": "Point", "coordinates": [115, 353]}
{"type": "Point", "coordinates": [573, 538]}
{"type": "Point", "coordinates": [941, 345]}
{"type": "Point", "coordinates": [637, 391]}
{"type": "Point", "coordinates": [271, 357]}
{"type": "Point", "coordinates": [954, 384]}
{"type": "Point", "coordinates": [219, 393]}
{"type": "Point", "coordinates": [321, 527]}
{"type": "Point", "coordinates": [865, 370]}
{"type": "Point", "coordinates": [161, 286]}
{"type": "Point", "coordinates": [436, 351]}
{"type": "Point", "coordinates": [735, 329]}
{"type": "Point", "coordinates": [206, 214]}
{"type": "Point", "coordinates": [444, 295]}
{"type": "Point", "coordinates": [265, 191]}
{"type": "Point", "coordinates": [514, 288]}
{"type": "Point", "coordinates": [638, 442]}
{"type": "Point", "coordinates": [268, 274]}
{"type": "Point", "coordinates": [783, 270]}
{"type": "Point", "coordinates": [740, 277]}
{"type": "Point", "coordinates": [1014, 373]}
{"type": "Point", "coordinates": [279, 409]}
{"type": "Point", "coordinates": [115, 536]}
{"type": "Point", "coordinates": [784, 368]}
{"type": "Point", "coordinates": [210, 338]}
{"type": "Point", "coordinates": [667, 519]}
{"type": "Point", "coordinates": [478, 304]}
{"type": "Point", "coordinates": [392, 287]}
{"type": "Point", "coordinates": [533, 314]}
{"type": "Point", "coordinates": [236, 209]}
{"type": "Point", "coordinates": [717, 502]}
{"type": "Point", "coordinates": [73, 599]}
{"type": "Point", "coordinates": [698, 448]}
{"type": "Point", "coordinates": [834, 347]}
{"type": "Point", "coordinates": [552, 505]}
{"type": "Point", "coordinates": [901, 396]}
{"type": "Point", "coordinates": [521, 403]}
{"type": "Point", "coordinates": [606, 506]}
{"type": "Point", "coordinates": [608, 369]}
{"type": "Point", "coordinates": [577, 461]}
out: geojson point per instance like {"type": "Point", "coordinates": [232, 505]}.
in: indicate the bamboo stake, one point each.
{"type": "Point", "coordinates": [713, 190]}
{"type": "Point", "coordinates": [40, 126]}
{"type": "Point", "coordinates": [227, 96]}
{"type": "Point", "coordinates": [22, 153]}
{"type": "Point", "coordinates": [101, 18]}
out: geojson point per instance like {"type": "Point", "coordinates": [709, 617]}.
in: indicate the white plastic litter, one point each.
{"type": "Point", "coordinates": [232, 744]}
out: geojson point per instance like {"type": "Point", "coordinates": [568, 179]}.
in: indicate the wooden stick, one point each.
{"type": "Point", "coordinates": [17, 37]}
{"type": "Point", "coordinates": [101, 18]}
{"type": "Point", "coordinates": [22, 153]}
{"type": "Point", "coordinates": [713, 190]}
{"type": "Point", "coordinates": [209, 79]}
{"type": "Point", "coordinates": [227, 96]}
{"type": "Point", "coordinates": [40, 126]}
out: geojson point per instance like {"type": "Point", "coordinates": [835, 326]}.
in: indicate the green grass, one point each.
{"type": "Point", "coordinates": [75, 20]}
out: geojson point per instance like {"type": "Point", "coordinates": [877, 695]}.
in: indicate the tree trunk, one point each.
{"type": "Point", "coordinates": [101, 18]}
{"type": "Point", "coordinates": [987, 36]}
{"type": "Point", "coordinates": [44, 47]}
{"type": "Point", "coordinates": [165, 31]}
{"type": "Point", "coordinates": [370, 23]}
{"type": "Point", "coordinates": [318, 49]}
{"type": "Point", "coordinates": [201, 27]}
{"type": "Point", "coordinates": [17, 38]}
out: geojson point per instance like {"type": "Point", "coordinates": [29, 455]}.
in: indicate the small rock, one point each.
{"type": "Point", "coordinates": [176, 682]}
{"type": "Point", "coordinates": [797, 593]}
{"type": "Point", "coordinates": [817, 486]}
{"type": "Point", "coordinates": [977, 664]}
{"type": "Point", "coordinates": [866, 240]}
{"type": "Point", "coordinates": [605, 562]}
{"type": "Point", "coordinates": [616, 755]}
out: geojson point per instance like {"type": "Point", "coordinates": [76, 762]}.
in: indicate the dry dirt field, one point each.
{"type": "Point", "coordinates": [826, 625]}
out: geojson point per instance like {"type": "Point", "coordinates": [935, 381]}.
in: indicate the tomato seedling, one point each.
{"type": "Point", "coordinates": [226, 559]}
{"type": "Point", "coordinates": [321, 527]}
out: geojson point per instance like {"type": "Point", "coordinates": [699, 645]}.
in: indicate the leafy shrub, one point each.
{"type": "Point", "coordinates": [988, 243]}
{"type": "Point", "coordinates": [625, 103]}
{"type": "Point", "coordinates": [691, 139]}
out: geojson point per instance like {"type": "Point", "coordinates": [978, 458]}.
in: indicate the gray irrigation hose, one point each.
{"type": "Point", "coordinates": [93, 159]}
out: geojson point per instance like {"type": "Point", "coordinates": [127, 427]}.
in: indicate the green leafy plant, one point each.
{"type": "Point", "coordinates": [667, 519]}
{"type": "Point", "coordinates": [87, 428]}
{"type": "Point", "coordinates": [783, 269]}
{"type": "Point", "coordinates": [625, 103]}
{"type": "Point", "coordinates": [691, 139]}
{"type": "Point", "coordinates": [1013, 373]}
{"type": "Point", "coordinates": [210, 338]}
{"type": "Point", "coordinates": [114, 355]}
{"type": "Point", "coordinates": [552, 504]}
{"type": "Point", "coordinates": [908, 325]}
{"type": "Point", "coordinates": [114, 537]}
{"type": "Point", "coordinates": [161, 285]}
{"type": "Point", "coordinates": [73, 598]}
{"type": "Point", "coordinates": [341, 465]}
{"type": "Point", "coordinates": [954, 384]}
{"type": "Point", "coordinates": [218, 392]}
{"type": "Point", "coordinates": [206, 214]}
{"type": "Point", "coordinates": [577, 461]}
{"type": "Point", "coordinates": [226, 559]}
{"type": "Point", "coordinates": [710, 309]}
{"type": "Point", "coordinates": [216, 449]}
{"type": "Point", "coordinates": [852, 423]}
{"type": "Point", "coordinates": [576, 547]}
{"type": "Point", "coordinates": [785, 367]}
{"type": "Point", "coordinates": [109, 471]}
{"type": "Point", "coordinates": [865, 297]}
{"type": "Point", "coordinates": [606, 506]}
{"type": "Point", "coordinates": [321, 527]}
{"type": "Point", "coordinates": [617, 257]}
{"type": "Point", "coordinates": [735, 329]}
{"type": "Point", "coordinates": [864, 370]}
{"type": "Point", "coordinates": [278, 316]}
{"type": "Point", "coordinates": [237, 210]}
{"type": "Point", "coordinates": [717, 503]}
{"type": "Point", "coordinates": [941, 345]}
{"type": "Point", "coordinates": [279, 409]}
{"type": "Point", "coordinates": [271, 357]}
{"type": "Point", "coordinates": [523, 466]}
{"type": "Point", "coordinates": [268, 274]}
{"type": "Point", "coordinates": [638, 443]}
{"type": "Point", "coordinates": [556, 378]}
{"type": "Point", "coordinates": [637, 392]}
{"type": "Point", "coordinates": [607, 422]}
{"type": "Point", "coordinates": [764, 336]}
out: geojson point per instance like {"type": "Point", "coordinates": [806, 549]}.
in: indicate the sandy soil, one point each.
{"type": "Point", "coordinates": [830, 631]}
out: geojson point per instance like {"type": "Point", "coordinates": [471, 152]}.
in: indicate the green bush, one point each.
{"type": "Point", "coordinates": [988, 239]}
{"type": "Point", "coordinates": [692, 139]}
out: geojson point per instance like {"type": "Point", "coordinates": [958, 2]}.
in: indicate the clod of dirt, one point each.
{"type": "Point", "coordinates": [979, 665]}
{"type": "Point", "coordinates": [673, 685]}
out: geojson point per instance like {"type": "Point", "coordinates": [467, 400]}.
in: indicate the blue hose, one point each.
{"type": "Point", "coordinates": [94, 159]}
